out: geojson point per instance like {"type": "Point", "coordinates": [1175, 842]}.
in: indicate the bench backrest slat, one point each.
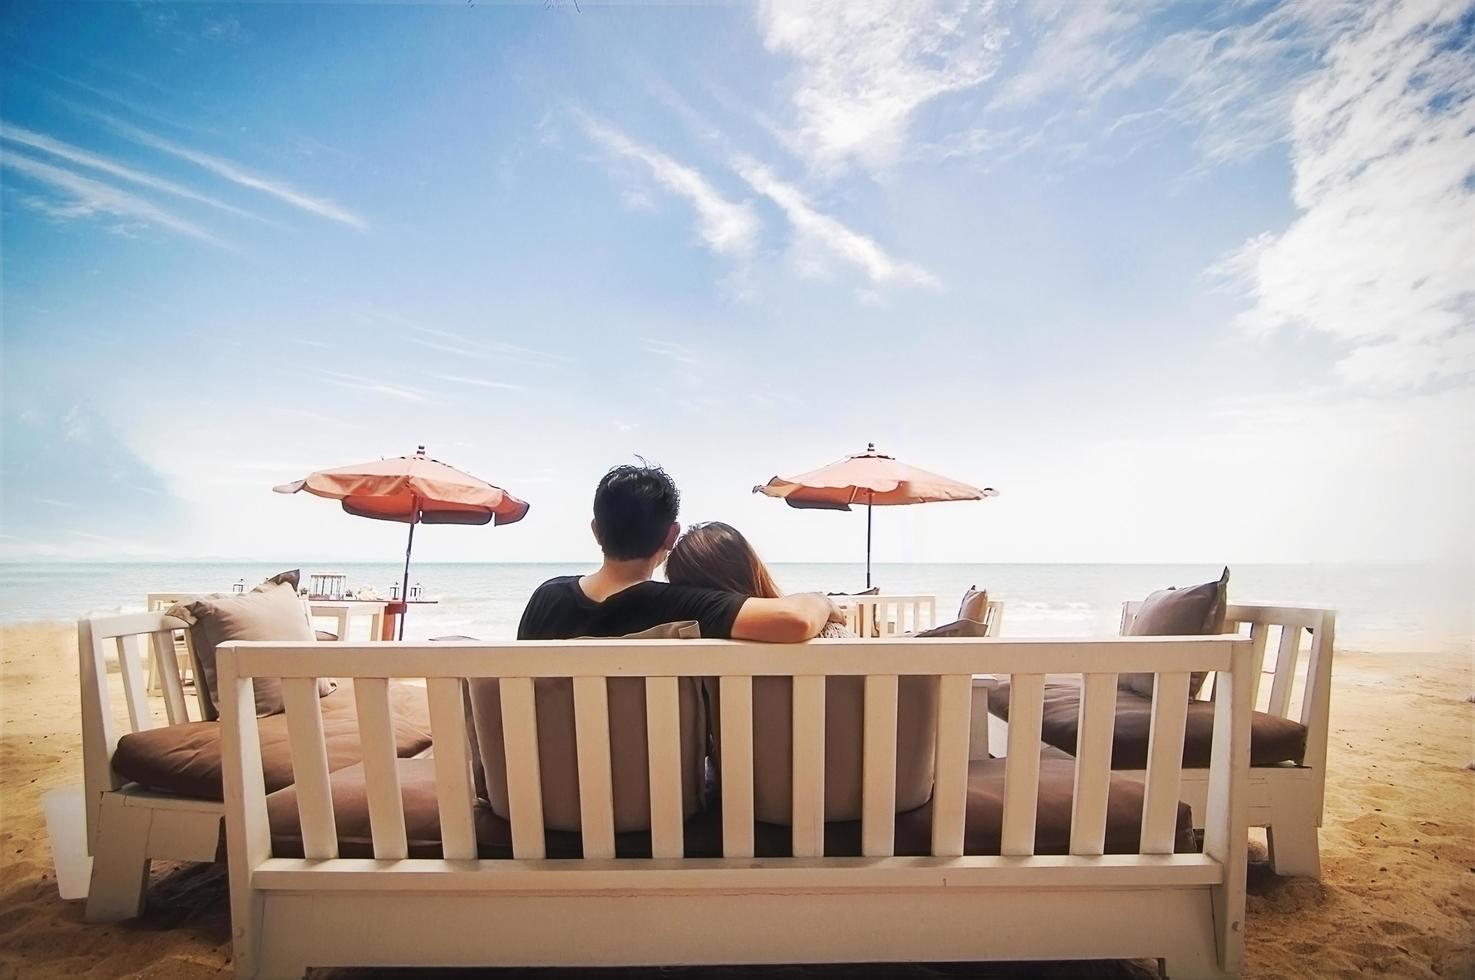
{"type": "Point", "coordinates": [663, 756]}
{"type": "Point", "coordinates": [524, 782]}
{"type": "Point", "coordinates": [809, 766]}
{"type": "Point", "coordinates": [878, 771]}
{"type": "Point", "coordinates": [310, 767]}
{"type": "Point", "coordinates": [131, 659]}
{"type": "Point", "coordinates": [455, 792]}
{"type": "Point", "coordinates": [596, 783]}
{"type": "Point", "coordinates": [950, 782]}
{"type": "Point", "coordinates": [381, 774]}
{"type": "Point", "coordinates": [167, 657]}
{"type": "Point", "coordinates": [1259, 637]}
{"type": "Point", "coordinates": [736, 739]}
{"type": "Point", "coordinates": [1164, 762]}
{"type": "Point", "coordinates": [1022, 766]}
{"type": "Point", "coordinates": [1286, 656]}
{"type": "Point", "coordinates": [1093, 764]}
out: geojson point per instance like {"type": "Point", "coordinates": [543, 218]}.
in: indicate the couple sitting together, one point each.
{"type": "Point", "coordinates": [715, 577]}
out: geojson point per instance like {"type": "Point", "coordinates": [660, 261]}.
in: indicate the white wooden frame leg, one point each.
{"type": "Point", "coordinates": [120, 864]}
{"type": "Point", "coordinates": [1294, 844]}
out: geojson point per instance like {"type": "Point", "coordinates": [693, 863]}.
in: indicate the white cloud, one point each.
{"type": "Point", "coordinates": [88, 198]}
{"type": "Point", "coordinates": [865, 66]}
{"type": "Point", "coordinates": [821, 235]}
{"type": "Point", "coordinates": [1382, 255]}
{"type": "Point", "coordinates": [373, 386]}
{"type": "Point", "coordinates": [462, 379]}
{"type": "Point", "coordinates": [727, 227]}
{"type": "Point", "coordinates": [236, 174]}
{"type": "Point", "coordinates": [55, 147]}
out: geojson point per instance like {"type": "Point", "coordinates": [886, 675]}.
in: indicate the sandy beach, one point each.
{"type": "Point", "coordinates": [1397, 899]}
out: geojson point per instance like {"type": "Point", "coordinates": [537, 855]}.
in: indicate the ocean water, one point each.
{"type": "Point", "coordinates": [1402, 607]}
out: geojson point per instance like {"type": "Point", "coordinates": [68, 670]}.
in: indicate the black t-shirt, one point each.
{"type": "Point", "coordinates": [559, 610]}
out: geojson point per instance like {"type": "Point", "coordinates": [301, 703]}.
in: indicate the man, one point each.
{"type": "Point", "coordinates": [635, 524]}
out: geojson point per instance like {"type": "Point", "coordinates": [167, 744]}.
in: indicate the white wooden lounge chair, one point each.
{"type": "Point", "coordinates": [1287, 785]}
{"type": "Point", "coordinates": [874, 616]}
{"type": "Point", "coordinates": [395, 905]}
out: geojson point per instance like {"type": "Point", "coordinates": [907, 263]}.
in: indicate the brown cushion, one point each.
{"type": "Point", "coordinates": [773, 731]}
{"type": "Point", "coordinates": [702, 834]}
{"type": "Point", "coordinates": [961, 627]}
{"type": "Point", "coordinates": [557, 748]}
{"type": "Point", "coordinates": [974, 605]}
{"type": "Point", "coordinates": [1196, 611]}
{"type": "Point", "coordinates": [186, 759]}
{"type": "Point", "coordinates": [1272, 739]}
{"type": "Point", "coordinates": [271, 611]}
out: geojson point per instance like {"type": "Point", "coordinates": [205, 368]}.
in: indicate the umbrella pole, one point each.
{"type": "Point", "coordinates": [870, 495]}
{"type": "Point", "coordinates": [404, 593]}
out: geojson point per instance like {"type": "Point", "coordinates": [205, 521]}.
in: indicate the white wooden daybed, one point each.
{"type": "Point", "coordinates": [879, 615]}
{"type": "Point", "coordinates": [459, 909]}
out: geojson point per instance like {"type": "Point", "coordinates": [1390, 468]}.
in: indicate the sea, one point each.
{"type": "Point", "coordinates": [1381, 607]}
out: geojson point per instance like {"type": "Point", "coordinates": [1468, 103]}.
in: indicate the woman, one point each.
{"type": "Point", "coordinates": [717, 556]}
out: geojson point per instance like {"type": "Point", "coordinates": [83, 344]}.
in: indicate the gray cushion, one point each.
{"type": "Point", "coordinates": [1195, 611]}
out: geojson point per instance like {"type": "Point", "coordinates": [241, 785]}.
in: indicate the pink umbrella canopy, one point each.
{"type": "Point", "coordinates": [869, 478]}
{"type": "Point", "coordinates": [412, 490]}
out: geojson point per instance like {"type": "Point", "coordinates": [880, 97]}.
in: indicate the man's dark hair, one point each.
{"type": "Point", "coordinates": [634, 508]}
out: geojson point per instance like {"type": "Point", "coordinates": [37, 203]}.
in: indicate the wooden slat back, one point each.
{"type": "Point", "coordinates": [878, 767]}
{"type": "Point", "coordinates": [1093, 764]}
{"type": "Point", "coordinates": [950, 780]}
{"type": "Point", "coordinates": [1259, 634]}
{"type": "Point", "coordinates": [736, 750]}
{"type": "Point", "coordinates": [381, 772]}
{"type": "Point", "coordinates": [310, 768]}
{"type": "Point", "coordinates": [809, 766]}
{"type": "Point", "coordinates": [596, 785]}
{"type": "Point", "coordinates": [880, 616]}
{"type": "Point", "coordinates": [167, 659]}
{"type": "Point", "coordinates": [1286, 656]}
{"type": "Point", "coordinates": [663, 741]}
{"type": "Point", "coordinates": [524, 783]}
{"type": "Point", "coordinates": [131, 656]}
{"type": "Point", "coordinates": [1164, 762]}
{"type": "Point", "coordinates": [1022, 764]}
{"type": "Point", "coordinates": [455, 793]}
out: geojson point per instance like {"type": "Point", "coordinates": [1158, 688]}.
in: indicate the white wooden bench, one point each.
{"type": "Point", "coordinates": [874, 616]}
{"type": "Point", "coordinates": [1287, 798]}
{"type": "Point", "coordinates": [321, 909]}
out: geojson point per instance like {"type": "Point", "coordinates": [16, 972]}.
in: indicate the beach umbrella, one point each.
{"type": "Point", "coordinates": [412, 490]}
{"type": "Point", "coordinates": [869, 478]}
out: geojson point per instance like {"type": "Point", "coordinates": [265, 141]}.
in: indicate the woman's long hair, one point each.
{"type": "Point", "coordinates": [717, 556]}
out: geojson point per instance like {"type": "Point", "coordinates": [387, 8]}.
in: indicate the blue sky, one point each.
{"type": "Point", "coordinates": [1184, 281]}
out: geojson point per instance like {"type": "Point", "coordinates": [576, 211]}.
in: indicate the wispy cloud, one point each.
{"type": "Point", "coordinates": [462, 379]}
{"type": "Point", "coordinates": [680, 353]}
{"type": "Point", "coordinates": [373, 386]}
{"type": "Point", "coordinates": [817, 231]}
{"type": "Point", "coordinates": [11, 133]}
{"type": "Point", "coordinates": [236, 174]}
{"type": "Point", "coordinates": [1382, 255]}
{"type": "Point", "coordinates": [727, 227]}
{"type": "Point", "coordinates": [865, 68]}
{"type": "Point", "coordinates": [464, 345]}
{"type": "Point", "coordinates": [87, 198]}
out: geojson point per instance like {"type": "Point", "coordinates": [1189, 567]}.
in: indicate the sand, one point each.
{"type": "Point", "coordinates": [1398, 846]}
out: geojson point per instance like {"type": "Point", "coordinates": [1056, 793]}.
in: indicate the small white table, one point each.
{"type": "Point", "coordinates": [342, 612]}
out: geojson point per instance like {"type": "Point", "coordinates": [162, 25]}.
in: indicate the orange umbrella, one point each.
{"type": "Point", "coordinates": [873, 479]}
{"type": "Point", "coordinates": [413, 490]}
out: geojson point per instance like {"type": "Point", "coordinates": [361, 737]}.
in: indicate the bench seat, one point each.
{"type": "Point", "coordinates": [703, 832]}
{"type": "Point", "coordinates": [185, 759]}
{"type": "Point", "coordinates": [1273, 740]}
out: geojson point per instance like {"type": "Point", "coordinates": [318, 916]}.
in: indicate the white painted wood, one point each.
{"type": "Point", "coordinates": [1093, 764]}
{"type": "Point", "coordinates": [310, 767]}
{"type": "Point", "coordinates": [878, 755]}
{"type": "Point", "coordinates": [978, 734]}
{"type": "Point", "coordinates": [596, 788]}
{"type": "Point", "coordinates": [381, 771]}
{"type": "Point", "coordinates": [1316, 705]}
{"type": "Point", "coordinates": [736, 754]}
{"type": "Point", "coordinates": [663, 740]}
{"type": "Point", "coordinates": [1285, 671]}
{"type": "Point", "coordinates": [1022, 764]}
{"type": "Point", "coordinates": [1164, 762]}
{"type": "Point", "coordinates": [524, 784]}
{"type": "Point", "coordinates": [950, 780]}
{"type": "Point", "coordinates": [1259, 634]}
{"type": "Point", "coordinates": [809, 766]}
{"type": "Point", "coordinates": [1225, 827]}
{"type": "Point", "coordinates": [120, 866]}
{"type": "Point", "coordinates": [131, 655]}
{"type": "Point", "coordinates": [247, 831]}
{"type": "Point", "coordinates": [455, 792]}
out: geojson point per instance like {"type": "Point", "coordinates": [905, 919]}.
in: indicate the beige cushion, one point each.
{"type": "Point", "coordinates": [773, 720]}
{"type": "Point", "coordinates": [961, 627]}
{"type": "Point", "coordinates": [1195, 611]}
{"type": "Point", "coordinates": [557, 746]}
{"type": "Point", "coordinates": [974, 605]}
{"type": "Point", "coordinates": [271, 611]}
